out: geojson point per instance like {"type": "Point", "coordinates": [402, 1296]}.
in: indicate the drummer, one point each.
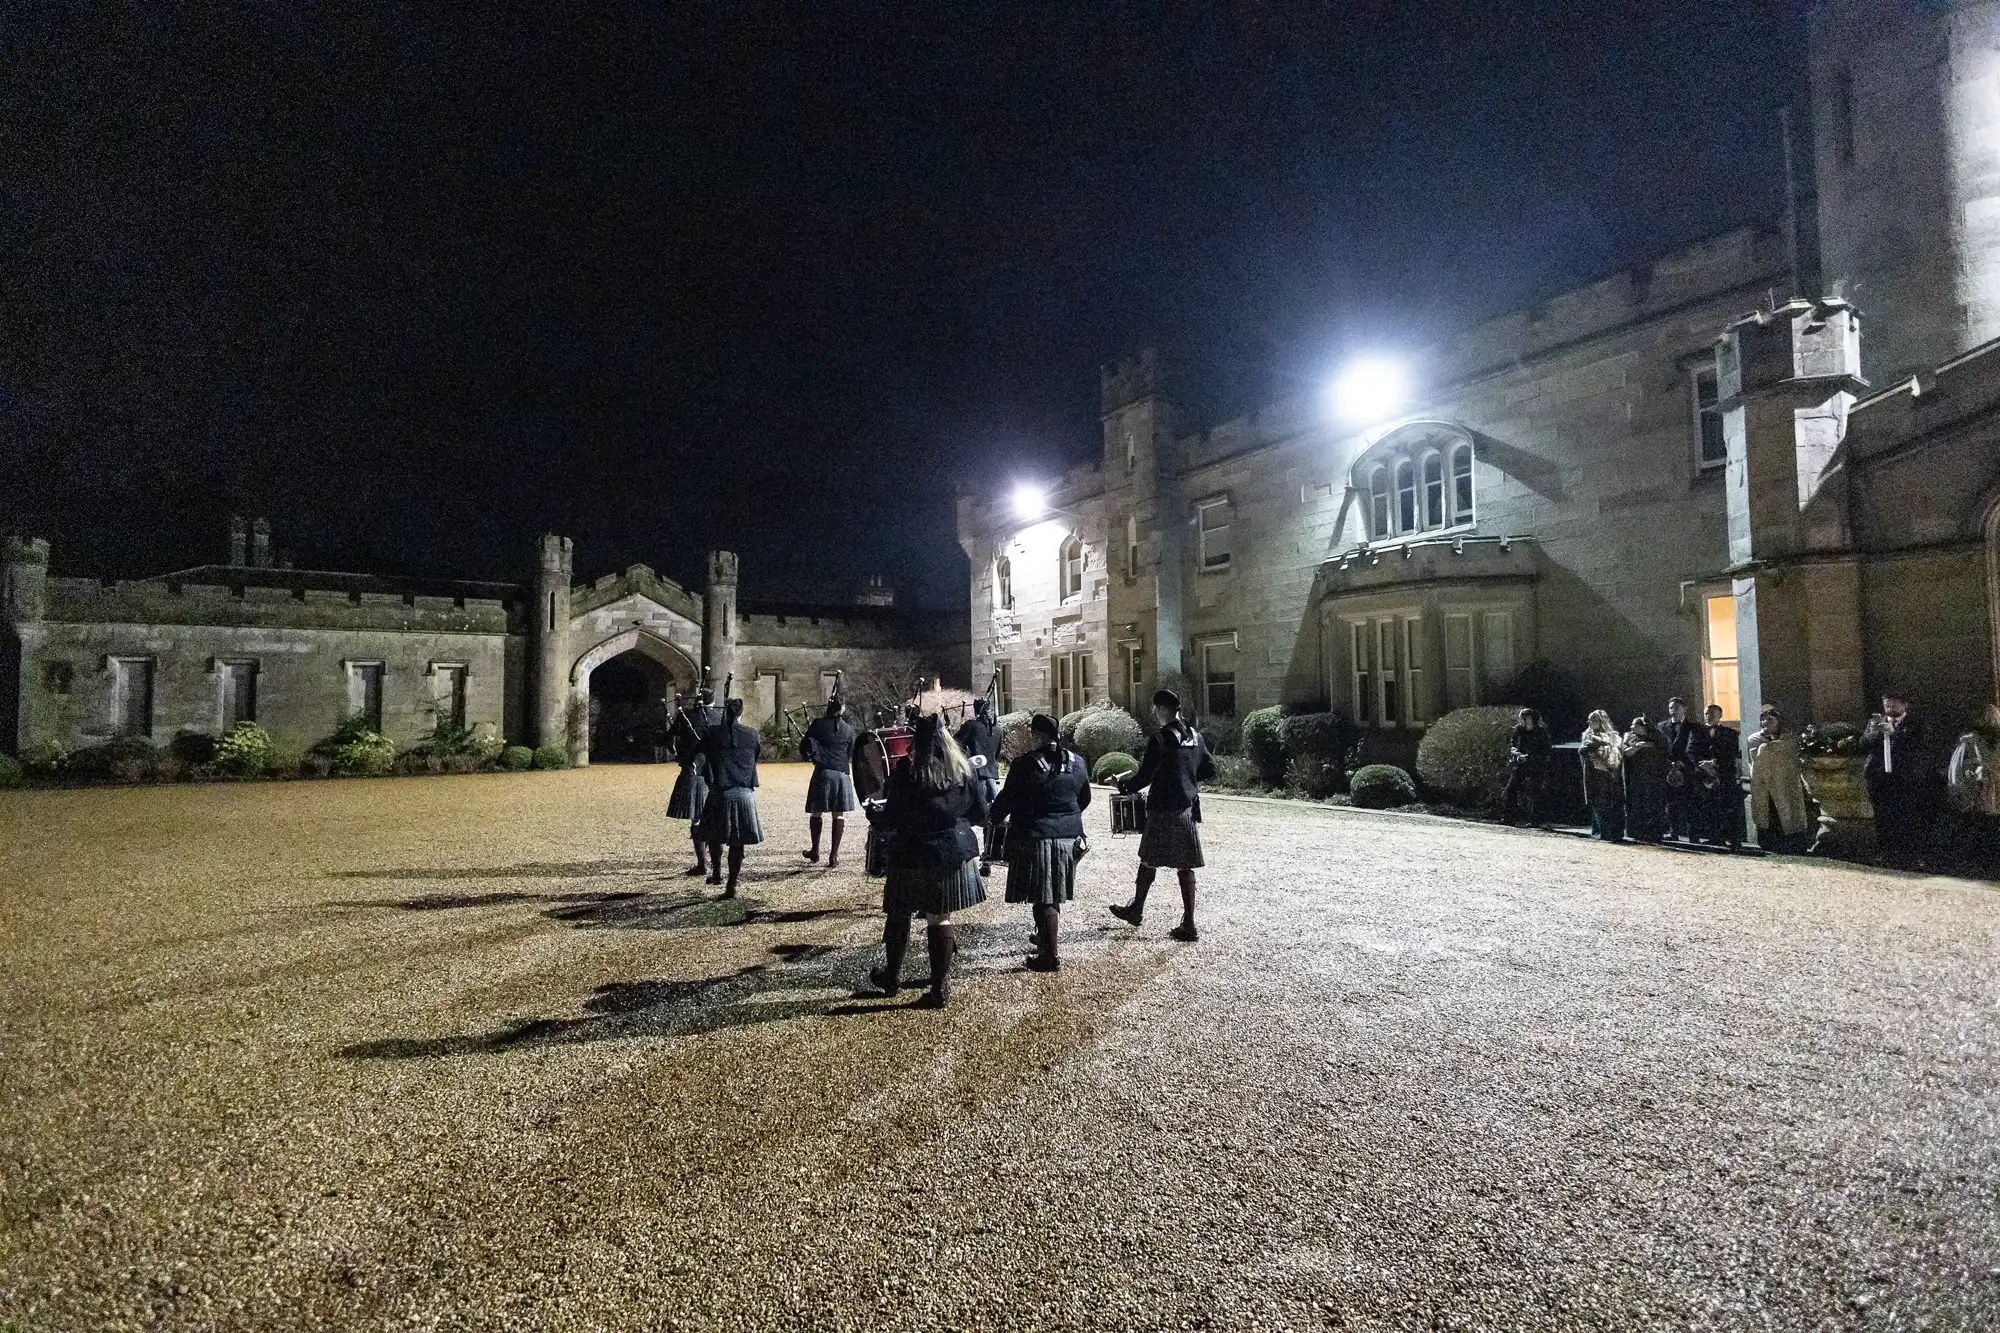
{"type": "Point", "coordinates": [1176, 759]}
{"type": "Point", "coordinates": [979, 737]}
{"type": "Point", "coordinates": [1047, 791]}
{"type": "Point", "coordinates": [829, 748]}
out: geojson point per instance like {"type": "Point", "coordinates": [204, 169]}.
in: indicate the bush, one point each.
{"type": "Point", "coordinates": [1107, 730]}
{"type": "Point", "coordinates": [1067, 724]}
{"type": "Point", "coordinates": [517, 759]}
{"type": "Point", "coordinates": [1235, 773]}
{"type": "Point", "coordinates": [1315, 747]}
{"type": "Point", "coordinates": [245, 751]}
{"type": "Point", "coordinates": [126, 759]}
{"type": "Point", "coordinates": [1463, 756]}
{"type": "Point", "coordinates": [1262, 745]}
{"type": "Point", "coordinates": [192, 748]}
{"type": "Point", "coordinates": [1016, 737]}
{"type": "Point", "coordinates": [774, 744]}
{"type": "Point", "coordinates": [10, 771]}
{"type": "Point", "coordinates": [1113, 766]}
{"type": "Point", "coordinates": [45, 760]}
{"type": "Point", "coordinates": [551, 756]}
{"type": "Point", "coordinates": [1381, 787]}
{"type": "Point", "coordinates": [1223, 734]}
{"type": "Point", "coordinates": [355, 751]}
{"type": "Point", "coordinates": [313, 764]}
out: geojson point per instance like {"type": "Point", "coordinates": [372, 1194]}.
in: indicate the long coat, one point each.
{"type": "Point", "coordinates": [1777, 784]}
{"type": "Point", "coordinates": [1646, 766]}
{"type": "Point", "coordinates": [1603, 770]}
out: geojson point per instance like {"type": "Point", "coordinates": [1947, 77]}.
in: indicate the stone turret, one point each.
{"type": "Point", "coordinates": [239, 541]}
{"type": "Point", "coordinates": [719, 627]}
{"type": "Point", "coordinates": [548, 640]}
{"type": "Point", "coordinates": [24, 580]}
{"type": "Point", "coordinates": [1787, 378]}
{"type": "Point", "coordinates": [260, 544]}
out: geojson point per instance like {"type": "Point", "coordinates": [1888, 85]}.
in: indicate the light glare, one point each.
{"type": "Point", "coordinates": [1370, 390]}
{"type": "Point", "coordinates": [1030, 501]}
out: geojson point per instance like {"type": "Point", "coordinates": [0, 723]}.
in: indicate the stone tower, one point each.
{"type": "Point", "coordinates": [718, 622]}
{"type": "Point", "coordinates": [24, 581]}
{"type": "Point", "coordinates": [1906, 160]}
{"type": "Point", "coordinates": [548, 639]}
{"type": "Point", "coordinates": [1141, 428]}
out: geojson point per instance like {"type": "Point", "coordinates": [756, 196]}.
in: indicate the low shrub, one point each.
{"type": "Point", "coordinates": [1463, 756]}
{"type": "Point", "coordinates": [1113, 766]}
{"type": "Point", "coordinates": [44, 760]}
{"type": "Point", "coordinates": [1108, 730]}
{"type": "Point", "coordinates": [1067, 724]}
{"type": "Point", "coordinates": [1223, 734]}
{"type": "Point", "coordinates": [1235, 773]}
{"type": "Point", "coordinates": [11, 774]}
{"type": "Point", "coordinates": [517, 759]}
{"type": "Point", "coordinates": [125, 759]}
{"type": "Point", "coordinates": [245, 751]}
{"type": "Point", "coordinates": [354, 750]}
{"type": "Point", "coordinates": [192, 748]}
{"type": "Point", "coordinates": [1016, 737]}
{"type": "Point", "coordinates": [1262, 745]}
{"type": "Point", "coordinates": [312, 764]}
{"type": "Point", "coordinates": [465, 763]}
{"type": "Point", "coordinates": [1315, 746]}
{"type": "Point", "coordinates": [774, 744]}
{"type": "Point", "coordinates": [551, 756]}
{"type": "Point", "coordinates": [1381, 787]}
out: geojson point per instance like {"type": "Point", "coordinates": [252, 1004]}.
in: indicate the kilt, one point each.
{"type": "Point", "coordinates": [930, 889]}
{"type": "Point", "coordinates": [1041, 870]}
{"type": "Point", "coordinates": [1171, 841]}
{"type": "Point", "coordinates": [690, 794]}
{"type": "Point", "coordinates": [831, 792]}
{"type": "Point", "coordinates": [731, 816]}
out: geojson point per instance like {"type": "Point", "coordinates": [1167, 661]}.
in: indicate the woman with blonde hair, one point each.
{"type": "Point", "coordinates": [1603, 759]}
{"type": "Point", "coordinates": [933, 803]}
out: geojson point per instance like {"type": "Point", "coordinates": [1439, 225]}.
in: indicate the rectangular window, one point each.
{"type": "Point", "coordinates": [1461, 688]}
{"type": "Point", "coordinates": [1720, 677]}
{"type": "Point", "coordinates": [1388, 680]}
{"type": "Point", "coordinates": [767, 700]}
{"type": "Point", "coordinates": [1216, 517]}
{"type": "Point", "coordinates": [448, 687]}
{"type": "Point", "coordinates": [1131, 547]}
{"type": "Point", "coordinates": [237, 682]}
{"type": "Point", "coordinates": [1496, 651]}
{"type": "Point", "coordinates": [1069, 574]}
{"type": "Point", "coordinates": [1413, 670]}
{"type": "Point", "coordinates": [1061, 693]}
{"type": "Point", "coordinates": [364, 693]}
{"type": "Point", "coordinates": [1135, 673]}
{"type": "Point", "coordinates": [1218, 677]}
{"type": "Point", "coordinates": [1708, 420]}
{"type": "Point", "coordinates": [1843, 114]}
{"type": "Point", "coordinates": [828, 681]}
{"type": "Point", "coordinates": [132, 696]}
{"type": "Point", "coordinates": [1003, 685]}
{"type": "Point", "coordinates": [1131, 452]}
{"type": "Point", "coordinates": [1363, 659]}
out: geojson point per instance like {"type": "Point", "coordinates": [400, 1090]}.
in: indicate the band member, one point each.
{"type": "Point", "coordinates": [829, 747]}
{"type": "Point", "coordinates": [731, 813]}
{"type": "Point", "coordinates": [690, 725]}
{"type": "Point", "coordinates": [979, 737]}
{"type": "Point", "coordinates": [1043, 803]}
{"type": "Point", "coordinates": [870, 766]}
{"type": "Point", "coordinates": [1176, 759]}
{"type": "Point", "coordinates": [933, 803]}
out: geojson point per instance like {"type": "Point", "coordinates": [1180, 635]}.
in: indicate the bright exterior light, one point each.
{"type": "Point", "coordinates": [1030, 501]}
{"type": "Point", "coordinates": [1369, 390]}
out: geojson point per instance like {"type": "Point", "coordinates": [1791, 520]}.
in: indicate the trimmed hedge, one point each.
{"type": "Point", "coordinates": [517, 759]}
{"type": "Point", "coordinates": [1067, 724]}
{"type": "Point", "coordinates": [1263, 746]}
{"type": "Point", "coordinates": [125, 759]}
{"type": "Point", "coordinates": [1463, 756]}
{"type": "Point", "coordinates": [551, 756]}
{"type": "Point", "coordinates": [1114, 766]}
{"type": "Point", "coordinates": [1016, 737]}
{"type": "Point", "coordinates": [1381, 787]}
{"type": "Point", "coordinates": [1315, 746]}
{"type": "Point", "coordinates": [1107, 730]}
{"type": "Point", "coordinates": [10, 771]}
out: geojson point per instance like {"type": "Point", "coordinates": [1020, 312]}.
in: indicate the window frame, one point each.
{"type": "Point", "coordinates": [1226, 531]}
{"type": "Point", "coordinates": [228, 691]}
{"type": "Point", "coordinates": [1003, 583]}
{"type": "Point", "coordinates": [1703, 413]}
{"type": "Point", "coordinates": [1131, 548]}
{"type": "Point", "coordinates": [1207, 644]}
{"type": "Point", "coordinates": [357, 669]}
{"type": "Point", "coordinates": [1380, 510]}
{"type": "Point", "coordinates": [1003, 677]}
{"type": "Point", "coordinates": [1714, 667]}
{"type": "Point", "coordinates": [121, 666]}
{"type": "Point", "coordinates": [1064, 592]}
{"type": "Point", "coordinates": [1402, 499]}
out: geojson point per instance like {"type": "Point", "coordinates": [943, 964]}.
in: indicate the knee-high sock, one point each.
{"type": "Point", "coordinates": [813, 824]}
{"type": "Point", "coordinates": [1142, 887]}
{"type": "Point", "coordinates": [1187, 896]}
{"type": "Point", "coordinates": [833, 847]}
{"type": "Point", "coordinates": [735, 862]}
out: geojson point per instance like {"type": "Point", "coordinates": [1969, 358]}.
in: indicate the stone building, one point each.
{"type": "Point", "coordinates": [1710, 474]}
{"type": "Point", "coordinates": [297, 651]}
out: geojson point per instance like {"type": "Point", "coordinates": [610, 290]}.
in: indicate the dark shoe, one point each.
{"type": "Point", "coordinates": [1184, 932]}
{"type": "Point", "coordinates": [715, 879]}
{"type": "Point", "coordinates": [985, 867]}
{"type": "Point", "coordinates": [1131, 916]}
{"type": "Point", "coordinates": [729, 890]}
{"type": "Point", "coordinates": [1042, 963]}
{"type": "Point", "coordinates": [833, 861]}
{"type": "Point", "coordinates": [882, 979]}
{"type": "Point", "coordinates": [695, 870]}
{"type": "Point", "coordinates": [931, 999]}
{"type": "Point", "coordinates": [943, 944]}
{"type": "Point", "coordinates": [812, 855]}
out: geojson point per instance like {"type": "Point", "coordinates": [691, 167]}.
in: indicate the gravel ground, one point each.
{"type": "Point", "coordinates": [471, 1053]}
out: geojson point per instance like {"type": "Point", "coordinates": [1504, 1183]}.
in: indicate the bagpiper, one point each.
{"type": "Point", "coordinates": [829, 747]}
{"type": "Point", "coordinates": [1043, 802]}
{"type": "Point", "coordinates": [692, 719]}
{"type": "Point", "coordinates": [730, 817]}
{"type": "Point", "coordinates": [1176, 759]}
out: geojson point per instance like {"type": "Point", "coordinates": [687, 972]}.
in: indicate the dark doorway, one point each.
{"type": "Point", "coordinates": [630, 696]}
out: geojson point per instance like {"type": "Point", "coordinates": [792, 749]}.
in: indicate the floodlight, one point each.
{"type": "Point", "coordinates": [1370, 389]}
{"type": "Point", "coordinates": [1030, 501]}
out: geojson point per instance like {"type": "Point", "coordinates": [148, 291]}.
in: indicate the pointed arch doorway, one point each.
{"type": "Point", "coordinates": [621, 697]}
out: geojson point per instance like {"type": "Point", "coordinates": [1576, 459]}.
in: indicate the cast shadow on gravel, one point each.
{"type": "Point", "coordinates": [804, 980]}
{"type": "Point", "coordinates": [631, 909]}
{"type": "Point", "coordinates": [526, 870]}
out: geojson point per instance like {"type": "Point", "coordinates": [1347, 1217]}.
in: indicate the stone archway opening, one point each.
{"type": "Point", "coordinates": [631, 698]}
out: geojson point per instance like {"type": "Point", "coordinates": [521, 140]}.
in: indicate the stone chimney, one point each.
{"type": "Point", "coordinates": [876, 592]}
{"type": "Point", "coordinates": [239, 541]}
{"type": "Point", "coordinates": [260, 544]}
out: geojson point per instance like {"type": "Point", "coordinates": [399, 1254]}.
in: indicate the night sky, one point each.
{"type": "Point", "coordinates": [775, 278]}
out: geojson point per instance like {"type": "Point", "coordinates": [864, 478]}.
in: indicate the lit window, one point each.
{"type": "Point", "coordinates": [1003, 584]}
{"type": "Point", "coordinates": [1719, 677]}
{"type": "Point", "coordinates": [1708, 421]}
{"type": "Point", "coordinates": [1218, 677]}
{"type": "Point", "coordinates": [1216, 517]}
{"type": "Point", "coordinates": [1069, 575]}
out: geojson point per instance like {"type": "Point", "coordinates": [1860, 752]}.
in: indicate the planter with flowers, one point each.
{"type": "Point", "coordinates": [1831, 756]}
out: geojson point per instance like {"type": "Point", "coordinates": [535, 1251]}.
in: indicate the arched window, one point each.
{"type": "Point", "coordinates": [1003, 584]}
{"type": "Point", "coordinates": [1461, 484]}
{"type": "Point", "coordinates": [1069, 575]}
{"type": "Point", "coordinates": [1406, 497]}
{"type": "Point", "coordinates": [1434, 497]}
{"type": "Point", "coordinates": [1378, 502]}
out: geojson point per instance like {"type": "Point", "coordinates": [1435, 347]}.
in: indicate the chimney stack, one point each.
{"type": "Point", "coordinates": [260, 543]}
{"type": "Point", "coordinates": [239, 541]}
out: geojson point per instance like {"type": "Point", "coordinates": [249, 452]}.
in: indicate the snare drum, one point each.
{"type": "Point", "coordinates": [1128, 813]}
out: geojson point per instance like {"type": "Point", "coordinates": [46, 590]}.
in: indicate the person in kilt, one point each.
{"type": "Point", "coordinates": [1176, 759]}
{"type": "Point", "coordinates": [932, 803]}
{"type": "Point", "coordinates": [979, 737]}
{"type": "Point", "coordinates": [731, 813]}
{"type": "Point", "coordinates": [691, 724]}
{"type": "Point", "coordinates": [829, 747]}
{"type": "Point", "coordinates": [1043, 802]}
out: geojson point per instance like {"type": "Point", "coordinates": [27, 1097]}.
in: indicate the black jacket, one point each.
{"type": "Point", "coordinates": [1046, 794]}
{"type": "Point", "coordinates": [1176, 759]}
{"type": "Point", "coordinates": [731, 750]}
{"type": "Point", "coordinates": [829, 743]}
{"type": "Point", "coordinates": [1529, 747]}
{"type": "Point", "coordinates": [1725, 746]}
{"type": "Point", "coordinates": [978, 735]}
{"type": "Point", "coordinates": [685, 736]}
{"type": "Point", "coordinates": [933, 828]}
{"type": "Point", "coordinates": [1905, 751]}
{"type": "Point", "coordinates": [1681, 737]}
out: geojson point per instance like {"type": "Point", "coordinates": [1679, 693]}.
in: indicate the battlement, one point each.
{"type": "Point", "coordinates": [1130, 380]}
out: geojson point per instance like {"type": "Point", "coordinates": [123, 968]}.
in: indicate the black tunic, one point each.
{"type": "Point", "coordinates": [933, 829]}
{"type": "Point", "coordinates": [979, 735]}
{"type": "Point", "coordinates": [829, 743]}
{"type": "Point", "coordinates": [731, 750]}
{"type": "Point", "coordinates": [1046, 794]}
{"type": "Point", "coordinates": [1176, 760]}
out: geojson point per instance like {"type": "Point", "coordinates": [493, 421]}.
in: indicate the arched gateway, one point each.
{"type": "Point", "coordinates": [661, 665]}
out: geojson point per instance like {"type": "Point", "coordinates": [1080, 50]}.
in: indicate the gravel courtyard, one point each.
{"type": "Point", "coordinates": [471, 1053]}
